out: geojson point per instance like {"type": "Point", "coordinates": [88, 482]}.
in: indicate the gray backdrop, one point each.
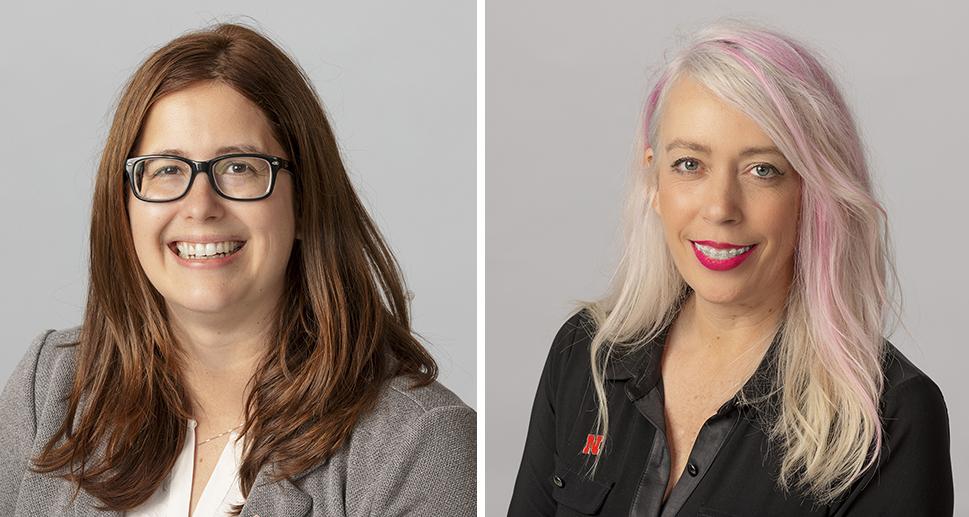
{"type": "Point", "coordinates": [397, 78]}
{"type": "Point", "coordinates": [565, 83]}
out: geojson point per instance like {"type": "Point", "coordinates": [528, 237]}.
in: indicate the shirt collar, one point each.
{"type": "Point", "coordinates": [762, 385]}
{"type": "Point", "coordinates": [626, 364]}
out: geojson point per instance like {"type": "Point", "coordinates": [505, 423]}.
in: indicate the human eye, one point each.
{"type": "Point", "coordinates": [686, 165]}
{"type": "Point", "coordinates": [765, 171]}
{"type": "Point", "coordinates": [236, 168]}
{"type": "Point", "coordinates": [168, 170]}
{"type": "Point", "coordinates": [240, 166]}
{"type": "Point", "coordinates": [164, 168]}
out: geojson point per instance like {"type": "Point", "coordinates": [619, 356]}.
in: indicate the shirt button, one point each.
{"type": "Point", "coordinates": [558, 481]}
{"type": "Point", "coordinates": [691, 468]}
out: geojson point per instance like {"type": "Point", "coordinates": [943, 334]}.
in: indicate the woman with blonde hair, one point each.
{"type": "Point", "coordinates": [738, 365]}
{"type": "Point", "coordinates": [246, 346]}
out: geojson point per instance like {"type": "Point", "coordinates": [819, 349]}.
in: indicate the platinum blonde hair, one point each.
{"type": "Point", "coordinates": [831, 345]}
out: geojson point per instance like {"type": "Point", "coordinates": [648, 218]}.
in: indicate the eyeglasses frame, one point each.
{"type": "Point", "coordinates": [275, 164]}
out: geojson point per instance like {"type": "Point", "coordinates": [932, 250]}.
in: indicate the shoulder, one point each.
{"type": "Point", "coordinates": [570, 358]}
{"type": "Point", "coordinates": [33, 407]}
{"type": "Point", "coordinates": [572, 345]}
{"type": "Point", "coordinates": [403, 407]}
{"type": "Point", "coordinates": [414, 453]}
{"type": "Point", "coordinates": [576, 333]}
{"type": "Point", "coordinates": [909, 393]}
{"type": "Point", "coordinates": [44, 375]}
{"type": "Point", "coordinates": [52, 348]}
{"type": "Point", "coordinates": [913, 409]}
{"type": "Point", "coordinates": [914, 472]}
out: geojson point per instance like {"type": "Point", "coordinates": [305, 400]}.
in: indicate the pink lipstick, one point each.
{"type": "Point", "coordinates": [718, 256]}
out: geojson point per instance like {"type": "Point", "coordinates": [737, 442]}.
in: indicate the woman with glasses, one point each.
{"type": "Point", "coordinates": [246, 346]}
{"type": "Point", "coordinates": [738, 367]}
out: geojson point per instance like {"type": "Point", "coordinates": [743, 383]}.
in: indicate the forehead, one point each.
{"type": "Point", "coordinates": [199, 120]}
{"type": "Point", "coordinates": [693, 114]}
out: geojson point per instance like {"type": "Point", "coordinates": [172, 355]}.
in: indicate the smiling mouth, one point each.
{"type": "Point", "coordinates": [721, 253]}
{"type": "Point", "coordinates": [207, 250]}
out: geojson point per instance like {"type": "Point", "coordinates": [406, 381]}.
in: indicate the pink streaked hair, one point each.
{"type": "Point", "coordinates": [831, 340]}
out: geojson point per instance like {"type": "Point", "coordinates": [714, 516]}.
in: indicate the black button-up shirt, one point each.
{"type": "Point", "coordinates": [733, 466]}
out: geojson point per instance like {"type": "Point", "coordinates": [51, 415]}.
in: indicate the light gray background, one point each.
{"type": "Point", "coordinates": [398, 80]}
{"type": "Point", "coordinates": [565, 82]}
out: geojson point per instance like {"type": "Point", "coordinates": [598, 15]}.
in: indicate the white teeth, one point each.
{"type": "Point", "coordinates": [188, 250]}
{"type": "Point", "coordinates": [721, 254]}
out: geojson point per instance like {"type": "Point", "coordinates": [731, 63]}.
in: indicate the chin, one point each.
{"type": "Point", "coordinates": [719, 295]}
{"type": "Point", "coordinates": [207, 302]}
{"type": "Point", "coordinates": [200, 308]}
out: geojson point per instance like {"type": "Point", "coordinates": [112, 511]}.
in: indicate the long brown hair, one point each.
{"type": "Point", "coordinates": [343, 326]}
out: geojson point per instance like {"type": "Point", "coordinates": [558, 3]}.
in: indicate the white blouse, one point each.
{"type": "Point", "coordinates": [174, 496]}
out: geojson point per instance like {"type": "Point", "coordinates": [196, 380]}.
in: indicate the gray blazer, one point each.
{"type": "Point", "coordinates": [415, 454]}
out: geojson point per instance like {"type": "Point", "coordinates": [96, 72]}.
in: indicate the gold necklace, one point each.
{"type": "Point", "coordinates": [219, 436]}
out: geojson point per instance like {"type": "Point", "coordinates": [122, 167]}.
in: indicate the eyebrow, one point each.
{"type": "Point", "coordinates": [768, 149]}
{"type": "Point", "coordinates": [685, 144]}
{"type": "Point", "coordinates": [222, 151]}
{"type": "Point", "coordinates": [700, 148]}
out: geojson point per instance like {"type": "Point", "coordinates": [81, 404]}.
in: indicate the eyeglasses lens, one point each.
{"type": "Point", "coordinates": [243, 177]}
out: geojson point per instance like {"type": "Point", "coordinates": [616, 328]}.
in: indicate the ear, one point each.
{"type": "Point", "coordinates": [654, 195]}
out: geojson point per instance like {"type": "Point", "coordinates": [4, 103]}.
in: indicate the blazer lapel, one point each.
{"type": "Point", "coordinates": [279, 499]}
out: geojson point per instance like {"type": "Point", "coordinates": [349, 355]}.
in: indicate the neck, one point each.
{"type": "Point", "coordinates": [729, 332]}
{"type": "Point", "coordinates": [220, 360]}
{"type": "Point", "coordinates": [719, 349]}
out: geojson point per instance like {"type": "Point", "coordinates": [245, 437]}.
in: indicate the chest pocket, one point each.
{"type": "Point", "coordinates": [576, 491]}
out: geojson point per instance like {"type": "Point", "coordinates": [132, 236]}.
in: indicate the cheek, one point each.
{"type": "Point", "coordinates": [138, 221]}
{"type": "Point", "coordinates": [146, 226]}
{"type": "Point", "coordinates": [284, 215]}
{"type": "Point", "coordinates": [793, 213]}
{"type": "Point", "coordinates": [279, 226]}
{"type": "Point", "coordinates": [782, 220]}
{"type": "Point", "coordinates": [674, 206]}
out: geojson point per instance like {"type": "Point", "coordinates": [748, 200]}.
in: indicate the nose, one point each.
{"type": "Point", "coordinates": [722, 198]}
{"type": "Point", "coordinates": [202, 201]}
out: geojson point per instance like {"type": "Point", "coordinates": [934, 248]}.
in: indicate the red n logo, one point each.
{"type": "Point", "coordinates": [592, 444]}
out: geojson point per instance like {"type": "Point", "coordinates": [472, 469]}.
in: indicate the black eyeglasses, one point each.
{"type": "Point", "coordinates": [239, 177]}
